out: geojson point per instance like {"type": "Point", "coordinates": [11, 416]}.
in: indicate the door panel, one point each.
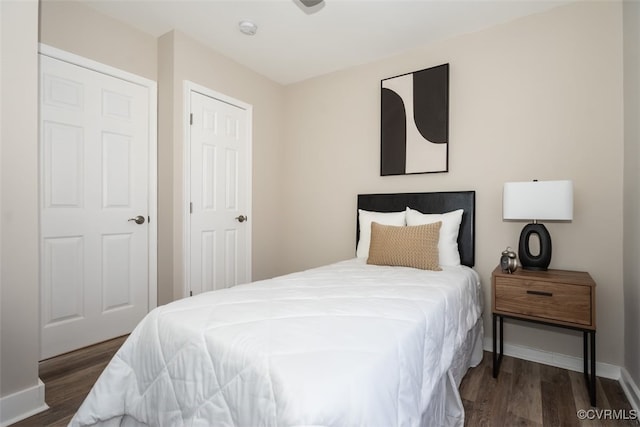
{"type": "Point", "coordinates": [62, 273]}
{"type": "Point", "coordinates": [94, 177]}
{"type": "Point", "coordinates": [63, 165]}
{"type": "Point", "coordinates": [116, 170]}
{"type": "Point", "coordinates": [219, 186]}
{"type": "Point", "coordinates": [116, 271]}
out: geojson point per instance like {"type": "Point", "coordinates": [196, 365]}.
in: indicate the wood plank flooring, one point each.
{"type": "Point", "coordinates": [524, 394]}
{"type": "Point", "coordinates": [531, 394]}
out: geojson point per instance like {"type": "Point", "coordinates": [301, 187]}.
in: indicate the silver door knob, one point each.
{"type": "Point", "coordinates": [241, 218]}
{"type": "Point", "coordinates": [139, 219]}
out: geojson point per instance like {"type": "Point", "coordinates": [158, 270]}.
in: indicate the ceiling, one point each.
{"type": "Point", "coordinates": [292, 45]}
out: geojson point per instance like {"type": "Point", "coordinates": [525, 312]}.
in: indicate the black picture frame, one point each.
{"type": "Point", "coordinates": [414, 124]}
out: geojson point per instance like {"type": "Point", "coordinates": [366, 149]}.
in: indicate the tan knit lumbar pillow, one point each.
{"type": "Point", "coordinates": [410, 246]}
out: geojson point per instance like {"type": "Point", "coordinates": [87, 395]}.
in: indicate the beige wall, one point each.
{"type": "Point", "coordinates": [537, 98]}
{"type": "Point", "coordinates": [19, 291]}
{"type": "Point", "coordinates": [76, 28]}
{"type": "Point", "coordinates": [166, 111]}
{"type": "Point", "coordinates": [632, 188]}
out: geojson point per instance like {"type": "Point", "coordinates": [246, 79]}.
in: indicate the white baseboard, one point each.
{"type": "Point", "coordinates": [631, 389]}
{"type": "Point", "coordinates": [563, 361]}
{"type": "Point", "coordinates": [22, 404]}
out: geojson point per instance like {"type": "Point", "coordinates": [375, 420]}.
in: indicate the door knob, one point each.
{"type": "Point", "coordinates": [139, 219]}
{"type": "Point", "coordinates": [241, 218]}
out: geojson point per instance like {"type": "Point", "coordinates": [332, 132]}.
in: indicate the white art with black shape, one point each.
{"type": "Point", "coordinates": [415, 122]}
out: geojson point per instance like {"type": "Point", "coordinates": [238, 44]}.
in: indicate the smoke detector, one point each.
{"type": "Point", "coordinates": [247, 27]}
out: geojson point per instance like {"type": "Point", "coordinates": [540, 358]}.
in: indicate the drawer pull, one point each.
{"type": "Point", "coordinates": [541, 293]}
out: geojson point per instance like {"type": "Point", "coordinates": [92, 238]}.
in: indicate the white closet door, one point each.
{"type": "Point", "coordinates": [94, 153]}
{"type": "Point", "coordinates": [219, 183]}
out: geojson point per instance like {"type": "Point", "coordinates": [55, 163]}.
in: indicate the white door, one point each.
{"type": "Point", "coordinates": [94, 167]}
{"type": "Point", "coordinates": [219, 219]}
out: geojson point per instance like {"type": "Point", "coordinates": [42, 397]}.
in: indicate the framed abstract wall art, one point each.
{"type": "Point", "coordinates": [414, 133]}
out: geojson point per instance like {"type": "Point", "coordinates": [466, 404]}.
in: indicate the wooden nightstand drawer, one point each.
{"type": "Point", "coordinates": [551, 301]}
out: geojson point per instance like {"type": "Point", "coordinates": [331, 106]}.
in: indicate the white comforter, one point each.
{"type": "Point", "coordinates": [348, 344]}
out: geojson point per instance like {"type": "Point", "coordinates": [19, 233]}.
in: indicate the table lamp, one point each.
{"type": "Point", "coordinates": [535, 201]}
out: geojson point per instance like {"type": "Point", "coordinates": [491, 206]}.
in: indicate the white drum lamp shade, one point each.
{"type": "Point", "coordinates": [534, 201]}
{"type": "Point", "coordinates": [538, 200]}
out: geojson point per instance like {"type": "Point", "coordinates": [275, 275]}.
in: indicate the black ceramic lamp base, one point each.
{"type": "Point", "coordinates": [543, 259]}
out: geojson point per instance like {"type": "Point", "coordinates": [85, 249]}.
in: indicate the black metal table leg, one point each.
{"type": "Point", "coordinates": [497, 358]}
{"type": "Point", "coordinates": [589, 357]}
{"type": "Point", "coordinates": [495, 343]}
{"type": "Point", "coordinates": [585, 352]}
{"type": "Point", "coordinates": [501, 340]}
{"type": "Point", "coordinates": [592, 384]}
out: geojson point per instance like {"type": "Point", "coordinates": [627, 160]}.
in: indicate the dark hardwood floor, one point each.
{"type": "Point", "coordinates": [524, 394]}
{"type": "Point", "coordinates": [531, 394]}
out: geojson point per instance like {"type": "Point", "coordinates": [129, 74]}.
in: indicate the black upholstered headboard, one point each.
{"type": "Point", "coordinates": [438, 202]}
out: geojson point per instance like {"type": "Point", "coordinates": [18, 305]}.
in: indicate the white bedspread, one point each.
{"type": "Point", "coordinates": [348, 344]}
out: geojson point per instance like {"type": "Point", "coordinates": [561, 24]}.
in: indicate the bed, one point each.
{"type": "Point", "coordinates": [347, 344]}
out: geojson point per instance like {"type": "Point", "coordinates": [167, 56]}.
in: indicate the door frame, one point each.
{"type": "Point", "coordinates": [152, 88]}
{"type": "Point", "coordinates": [190, 87]}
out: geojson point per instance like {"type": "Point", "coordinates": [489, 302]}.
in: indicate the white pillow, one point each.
{"type": "Point", "coordinates": [448, 243]}
{"type": "Point", "coordinates": [365, 219]}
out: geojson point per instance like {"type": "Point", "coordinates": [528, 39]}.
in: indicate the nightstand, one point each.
{"type": "Point", "coordinates": [553, 297]}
